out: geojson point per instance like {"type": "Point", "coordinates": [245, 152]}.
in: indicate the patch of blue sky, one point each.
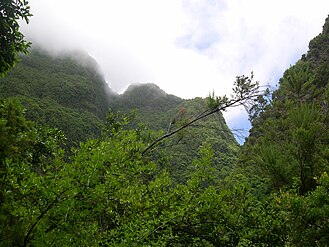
{"type": "Point", "coordinates": [205, 43]}
{"type": "Point", "coordinates": [239, 124]}
{"type": "Point", "coordinates": [199, 44]}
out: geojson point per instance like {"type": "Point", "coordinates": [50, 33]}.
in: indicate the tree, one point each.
{"type": "Point", "coordinates": [298, 83]}
{"type": "Point", "coordinates": [11, 39]}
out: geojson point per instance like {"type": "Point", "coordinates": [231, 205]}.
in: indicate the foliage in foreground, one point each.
{"type": "Point", "coordinates": [12, 41]}
{"type": "Point", "coordinates": [111, 195]}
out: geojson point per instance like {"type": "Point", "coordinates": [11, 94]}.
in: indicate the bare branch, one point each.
{"type": "Point", "coordinates": [26, 238]}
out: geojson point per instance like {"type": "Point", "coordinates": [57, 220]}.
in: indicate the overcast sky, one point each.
{"type": "Point", "coordinates": [187, 47]}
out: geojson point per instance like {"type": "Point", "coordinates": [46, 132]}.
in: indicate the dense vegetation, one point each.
{"type": "Point", "coordinates": [193, 188]}
{"type": "Point", "coordinates": [60, 92]}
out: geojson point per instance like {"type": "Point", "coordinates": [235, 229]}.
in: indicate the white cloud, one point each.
{"type": "Point", "coordinates": [187, 47]}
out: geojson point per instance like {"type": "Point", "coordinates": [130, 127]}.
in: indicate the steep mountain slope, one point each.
{"type": "Point", "coordinates": [318, 55]}
{"type": "Point", "coordinates": [288, 142]}
{"type": "Point", "coordinates": [60, 92]}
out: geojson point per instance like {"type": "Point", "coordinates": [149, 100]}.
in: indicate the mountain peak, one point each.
{"type": "Point", "coordinates": [145, 89]}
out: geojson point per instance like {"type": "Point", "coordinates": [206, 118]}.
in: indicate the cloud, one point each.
{"type": "Point", "coordinates": [187, 47]}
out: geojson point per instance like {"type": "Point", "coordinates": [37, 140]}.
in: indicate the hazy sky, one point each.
{"type": "Point", "coordinates": [187, 47]}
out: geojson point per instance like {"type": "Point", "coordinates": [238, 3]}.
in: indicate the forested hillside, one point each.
{"type": "Point", "coordinates": [173, 175]}
{"type": "Point", "coordinates": [60, 92]}
{"type": "Point", "coordinates": [154, 106]}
